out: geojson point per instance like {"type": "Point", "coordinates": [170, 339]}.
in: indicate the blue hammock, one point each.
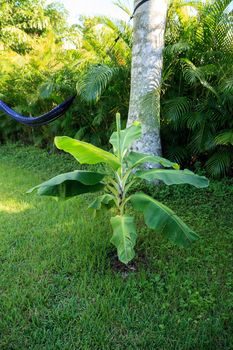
{"type": "Point", "coordinates": [44, 119]}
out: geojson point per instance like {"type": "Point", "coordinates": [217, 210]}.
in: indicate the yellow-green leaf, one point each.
{"type": "Point", "coordinates": [85, 153]}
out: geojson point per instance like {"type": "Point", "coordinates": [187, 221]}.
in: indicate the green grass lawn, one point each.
{"type": "Point", "coordinates": [62, 288]}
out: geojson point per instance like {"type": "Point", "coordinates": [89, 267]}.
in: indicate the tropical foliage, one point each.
{"type": "Point", "coordinates": [36, 73]}
{"type": "Point", "coordinates": [124, 169]}
{"type": "Point", "coordinates": [34, 80]}
{"type": "Point", "coordinates": [46, 61]}
{"type": "Point", "coordinates": [197, 104]}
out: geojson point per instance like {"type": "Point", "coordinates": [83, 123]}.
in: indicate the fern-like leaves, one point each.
{"type": "Point", "coordinates": [93, 83]}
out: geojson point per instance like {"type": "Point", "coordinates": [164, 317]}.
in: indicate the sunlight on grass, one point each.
{"type": "Point", "coordinates": [13, 207]}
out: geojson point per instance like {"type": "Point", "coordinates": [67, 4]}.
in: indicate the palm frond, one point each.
{"type": "Point", "coordinates": [202, 139]}
{"type": "Point", "coordinates": [176, 49]}
{"type": "Point", "coordinates": [177, 153]}
{"type": "Point", "coordinates": [225, 138]}
{"type": "Point", "coordinates": [99, 117]}
{"type": "Point", "coordinates": [175, 109]}
{"type": "Point", "coordinates": [93, 83]}
{"type": "Point", "coordinates": [219, 164]}
{"type": "Point", "coordinates": [227, 85]}
{"type": "Point", "coordinates": [123, 7]}
{"type": "Point", "coordinates": [194, 120]}
{"type": "Point", "coordinates": [215, 25]}
{"type": "Point", "coordinates": [193, 74]}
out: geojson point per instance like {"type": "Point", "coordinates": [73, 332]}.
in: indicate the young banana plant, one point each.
{"type": "Point", "coordinates": [126, 167]}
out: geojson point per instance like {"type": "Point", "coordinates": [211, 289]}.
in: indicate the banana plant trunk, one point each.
{"type": "Point", "coordinates": [146, 72]}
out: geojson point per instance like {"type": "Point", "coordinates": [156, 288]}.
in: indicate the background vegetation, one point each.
{"type": "Point", "coordinates": [43, 60]}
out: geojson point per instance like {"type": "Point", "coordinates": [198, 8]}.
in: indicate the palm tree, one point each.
{"type": "Point", "coordinates": [147, 60]}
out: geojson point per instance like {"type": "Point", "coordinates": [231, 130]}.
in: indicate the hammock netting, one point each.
{"type": "Point", "coordinates": [44, 119]}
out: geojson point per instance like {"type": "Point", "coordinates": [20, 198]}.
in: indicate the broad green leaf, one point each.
{"type": "Point", "coordinates": [106, 200]}
{"type": "Point", "coordinates": [70, 184]}
{"type": "Point", "coordinates": [135, 159]}
{"type": "Point", "coordinates": [127, 137]}
{"type": "Point", "coordinates": [85, 153]}
{"type": "Point", "coordinates": [124, 237]}
{"type": "Point", "coordinates": [174, 177]}
{"type": "Point", "coordinates": [162, 219]}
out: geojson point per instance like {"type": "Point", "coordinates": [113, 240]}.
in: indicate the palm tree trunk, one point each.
{"type": "Point", "coordinates": [146, 71]}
